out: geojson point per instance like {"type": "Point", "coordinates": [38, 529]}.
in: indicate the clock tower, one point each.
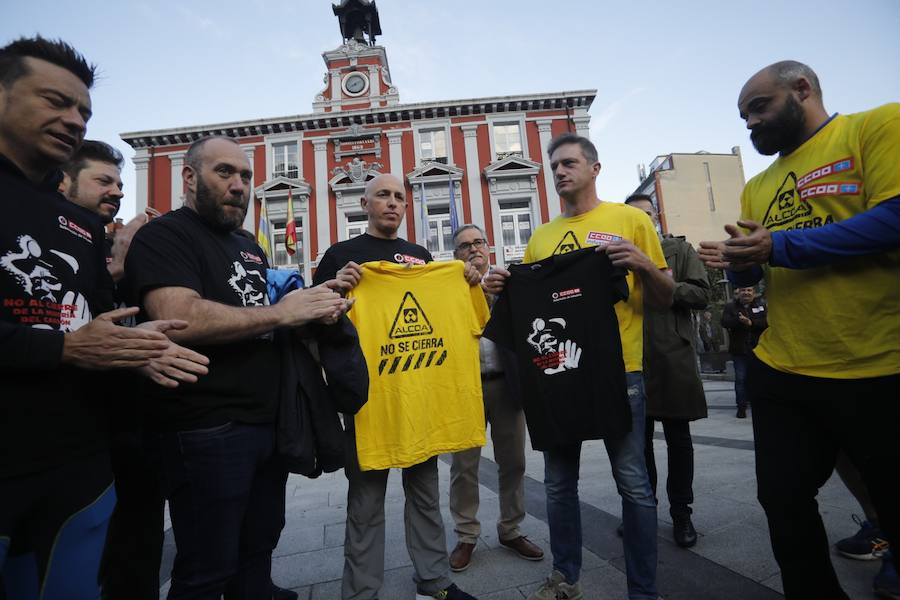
{"type": "Point", "coordinates": [357, 76]}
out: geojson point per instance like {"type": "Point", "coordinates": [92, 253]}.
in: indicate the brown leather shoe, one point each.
{"type": "Point", "coordinates": [461, 556]}
{"type": "Point", "coordinates": [524, 547]}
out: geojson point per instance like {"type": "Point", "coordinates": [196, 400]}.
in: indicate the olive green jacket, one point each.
{"type": "Point", "coordinates": [671, 379]}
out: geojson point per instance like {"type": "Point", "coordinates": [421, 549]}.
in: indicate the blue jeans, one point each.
{"type": "Point", "coordinates": [225, 489]}
{"type": "Point", "coordinates": [626, 455]}
{"type": "Point", "coordinates": [740, 379]}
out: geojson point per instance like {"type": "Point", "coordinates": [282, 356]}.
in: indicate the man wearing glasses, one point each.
{"type": "Point", "coordinates": [503, 410]}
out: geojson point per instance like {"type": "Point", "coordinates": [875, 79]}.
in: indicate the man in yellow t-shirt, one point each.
{"type": "Point", "coordinates": [821, 224]}
{"type": "Point", "coordinates": [630, 241]}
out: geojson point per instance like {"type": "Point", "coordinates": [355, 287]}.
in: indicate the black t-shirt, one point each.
{"type": "Point", "coordinates": [53, 280]}
{"type": "Point", "coordinates": [558, 316]}
{"type": "Point", "coordinates": [367, 248]}
{"type": "Point", "coordinates": [180, 250]}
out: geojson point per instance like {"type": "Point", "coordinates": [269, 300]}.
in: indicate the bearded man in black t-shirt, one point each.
{"type": "Point", "coordinates": [216, 439]}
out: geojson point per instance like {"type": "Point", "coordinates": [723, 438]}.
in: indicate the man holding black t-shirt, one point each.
{"type": "Point", "coordinates": [216, 439]}
{"type": "Point", "coordinates": [629, 240]}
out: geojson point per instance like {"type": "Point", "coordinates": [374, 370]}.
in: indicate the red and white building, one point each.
{"type": "Point", "coordinates": [492, 151]}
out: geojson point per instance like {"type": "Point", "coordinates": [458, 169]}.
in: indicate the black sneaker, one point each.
{"type": "Point", "coordinates": [683, 532]}
{"type": "Point", "coordinates": [866, 544]}
{"type": "Point", "coordinates": [450, 593]}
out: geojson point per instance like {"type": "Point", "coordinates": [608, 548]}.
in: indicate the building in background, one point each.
{"type": "Point", "coordinates": [696, 194]}
{"type": "Point", "coordinates": [484, 157]}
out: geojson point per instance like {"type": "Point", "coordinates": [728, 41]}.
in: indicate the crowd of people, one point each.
{"type": "Point", "coordinates": [171, 365]}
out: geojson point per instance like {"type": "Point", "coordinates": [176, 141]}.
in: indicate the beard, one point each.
{"type": "Point", "coordinates": [783, 132]}
{"type": "Point", "coordinates": [213, 212]}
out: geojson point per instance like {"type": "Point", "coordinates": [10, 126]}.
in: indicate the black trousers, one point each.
{"type": "Point", "coordinates": [679, 484]}
{"type": "Point", "coordinates": [799, 425]}
{"type": "Point", "coordinates": [134, 540]}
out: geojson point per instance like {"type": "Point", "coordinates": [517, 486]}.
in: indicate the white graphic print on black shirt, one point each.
{"type": "Point", "coordinates": [558, 316]}
{"type": "Point", "coordinates": [180, 250]}
{"type": "Point", "coordinates": [53, 280]}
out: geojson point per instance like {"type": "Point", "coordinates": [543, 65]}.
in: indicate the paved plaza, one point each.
{"type": "Point", "coordinates": [732, 559]}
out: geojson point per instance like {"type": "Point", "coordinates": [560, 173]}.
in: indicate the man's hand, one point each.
{"type": "Point", "coordinates": [121, 243]}
{"type": "Point", "coordinates": [346, 278]}
{"type": "Point", "coordinates": [472, 275]}
{"type": "Point", "coordinates": [177, 364]}
{"type": "Point", "coordinates": [625, 254]}
{"type": "Point", "coordinates": [299, 307]}
{"type": "Point", "coordinates": [740, 251]}
{"type": "Point", "coordinates": [744, 320]}
{"type": "Point", "coordinates": [753, 248]}
{"type": "Point", "coordinates": [494, 280]}
{"type": "Point", "coordinates": [101, 344]}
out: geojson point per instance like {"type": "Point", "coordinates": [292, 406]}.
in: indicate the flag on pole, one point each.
{"type": "Point", "coordinates": [454, 220]}
{"type": "Point", "coordinates": [263, 235]}
{"type": "Point", "coordinates": [290, 230]}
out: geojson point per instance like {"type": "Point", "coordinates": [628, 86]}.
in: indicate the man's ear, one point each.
{"type": "Point", "coordinates": [65, 185]}
{"type": "Point", "coordinates": [189, 177]}
{"type": "Point", "coordinates": [803, 88]}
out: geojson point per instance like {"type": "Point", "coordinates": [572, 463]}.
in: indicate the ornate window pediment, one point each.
{"type": "Point", "coordinates": [512, 166]}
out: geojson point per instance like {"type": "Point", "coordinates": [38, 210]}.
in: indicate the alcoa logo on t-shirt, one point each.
{"type": "Point", "coordinates": [407, 259]}
{"type": "Point", "coordinates": [416, 348]}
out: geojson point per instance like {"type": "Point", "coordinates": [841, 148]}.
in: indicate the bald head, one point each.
{"type": "Point", "coordinates": [782, 105]}
{"type": "Point", "coordinates": [385, 205]}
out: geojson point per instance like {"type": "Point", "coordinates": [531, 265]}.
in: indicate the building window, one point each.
{"type": "Point", "coordinates": [356, 225]}
{"type": "Point", "coordinates": [440, 235]}
{"type": "Point", "coordinates": [285, 161]}
{"type": "Point", "coordinates": [282, 258]}
{"type": "Point", "coordinates": [433, 145]}
{"type": "Point", "coordinates": [507, 140]}
{"type": "Point", "coordinates": [516, 227]}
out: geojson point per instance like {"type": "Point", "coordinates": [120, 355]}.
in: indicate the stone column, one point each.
{"type": "Point", "coordinates": [250, 218]}
{"type": "Point", "coordinates": [141, 160]}
{"type": "Point", "coordinates": [582, 123]}
{"type": "Point", "coordinates": [395, 139]}
{"type": "Point", "coordinates": [473, 174]}
{"type": "Point", "coordinates": [323, 237]}
{"type": "Point", "coordinates": [549, 187]}
{"type": "Point", "coordinates": [177, 163]}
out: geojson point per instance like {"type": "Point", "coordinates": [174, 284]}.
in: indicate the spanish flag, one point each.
{"type": "Point", "coordinates": [290, 229]}
{"type": "Point", "coordinates": [262, 233]}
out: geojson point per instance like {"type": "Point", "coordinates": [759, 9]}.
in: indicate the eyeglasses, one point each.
{"type": "Point", "coordinates": [476, 243]}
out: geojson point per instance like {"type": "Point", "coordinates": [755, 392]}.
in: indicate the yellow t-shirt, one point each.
{"type": "Point", "coordinates": [606, 223]}
{"type": "Point", "coordinates": [840, 321]}
{"type": "Point", "coordinates": [418, 328]}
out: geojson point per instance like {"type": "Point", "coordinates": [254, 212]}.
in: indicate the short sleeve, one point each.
{"type": "Point", "coordinates": [879, 149]}
{"type": "Point", "coordinates": [160, 256]}
{"type": "Point", "coordinates": [646, 238]}
{"type": "Point", "coordinates": [499, 326]}
{"type": "Point", "coordinates": [481, 313]}
{"type": "Point", "coordinates": [619, 284]}
{"type": "Point", "coordinates": [327, 268]}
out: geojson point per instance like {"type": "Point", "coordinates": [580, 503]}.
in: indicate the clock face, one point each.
{"type": "Point", "coordinates": [355, 83]}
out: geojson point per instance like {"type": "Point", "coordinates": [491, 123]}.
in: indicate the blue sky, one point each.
{"type": "Point", "coordinates": [667, 74]}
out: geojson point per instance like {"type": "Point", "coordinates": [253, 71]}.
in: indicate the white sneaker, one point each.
{"type": "Point", "coordinates": [550, 588]}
